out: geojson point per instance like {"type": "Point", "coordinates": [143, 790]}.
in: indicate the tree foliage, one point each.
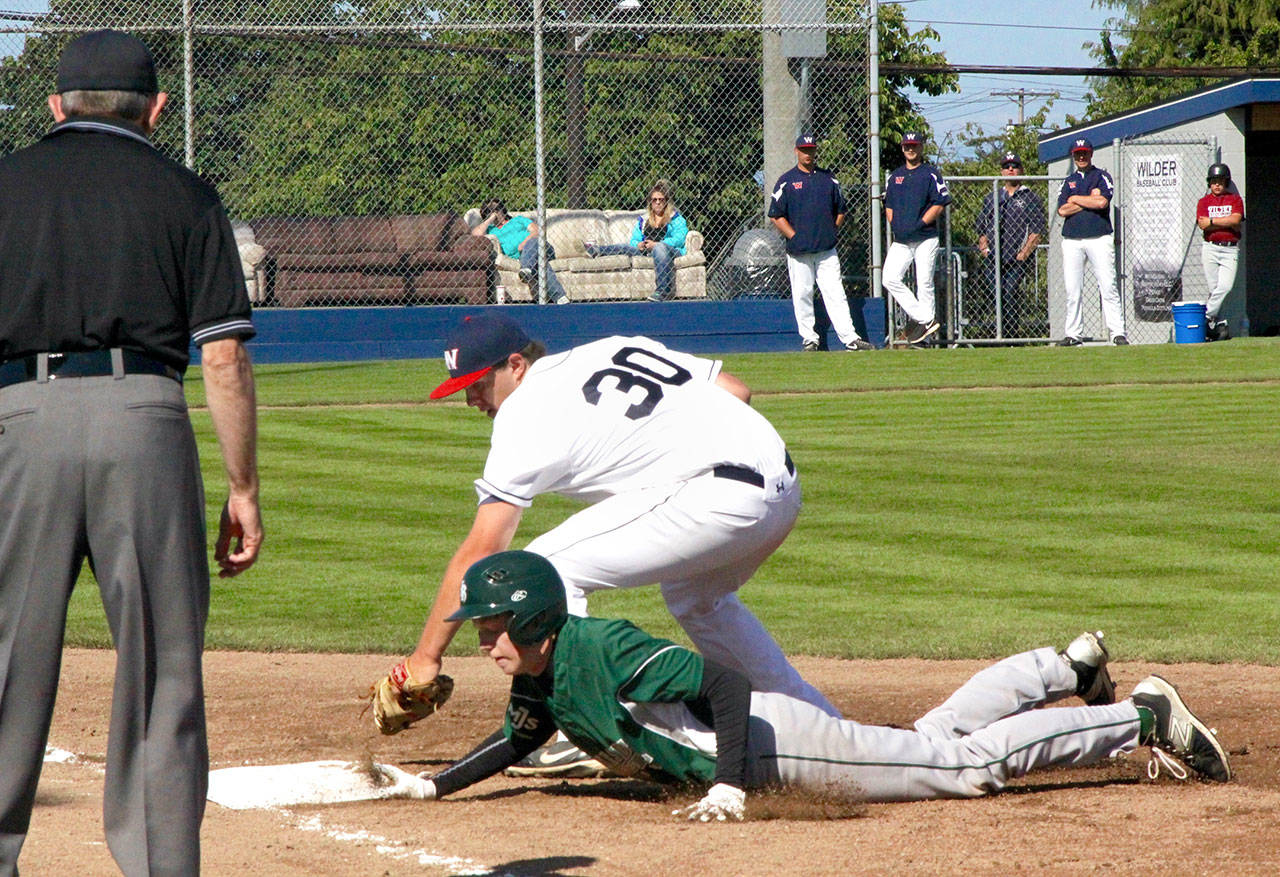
{"type": "Point", "coordinates": [985, 154]}
{"type": "Point", "coordinates": [1179, 33]}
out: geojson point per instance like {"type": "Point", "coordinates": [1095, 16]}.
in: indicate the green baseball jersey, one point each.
{"type": "Point", "coordinates": [621, 695]}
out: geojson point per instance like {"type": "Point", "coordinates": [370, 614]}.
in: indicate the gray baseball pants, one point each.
{"type": "Point", "coordinates": [105, 468]}
{"type": "Point", "coordinates": [983, 735]}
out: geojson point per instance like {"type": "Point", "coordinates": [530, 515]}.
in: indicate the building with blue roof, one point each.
{"type": "Point", "coordinates": [1158, 155]}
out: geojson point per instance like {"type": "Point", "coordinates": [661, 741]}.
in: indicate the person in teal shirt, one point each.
{"type": "Point", "coordinates": [518, 238]}
{"type": "Point", "coordinates": [641, 704]}
{"type": "Point", "coordinates": [659, 232]}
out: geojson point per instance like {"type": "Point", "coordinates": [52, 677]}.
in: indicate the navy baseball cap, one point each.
{"type": "Point", "coordinates": [806, 141]}
{"type": "Point", "coordinates": [475, 346]}
{"type": "Point", "coordinates": [106, 60]}
{"type": "Point", "coordinates": [1010, 158]}
{"type": "Point", "coordinates": [912, 137]}
{"type": "Point", "coordinates": [1081, 144]}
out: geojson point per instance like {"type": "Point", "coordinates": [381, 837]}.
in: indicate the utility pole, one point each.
{"type": "Point", "coordinates": [1021, 95]}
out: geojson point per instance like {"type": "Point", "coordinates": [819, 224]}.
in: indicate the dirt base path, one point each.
{"type": "Point", "coordinates": [271, 708]}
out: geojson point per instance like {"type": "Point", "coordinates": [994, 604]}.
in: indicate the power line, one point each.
{"type": "Point", "coordinates": [929, 22]}
{"type": "Point", "coordinates": [1020, 95]}
{"type": "Point", "coordinates": [889, 67]}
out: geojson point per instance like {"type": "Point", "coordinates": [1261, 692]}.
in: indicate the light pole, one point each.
{"type": "Point", "coordinates": [575, 114]}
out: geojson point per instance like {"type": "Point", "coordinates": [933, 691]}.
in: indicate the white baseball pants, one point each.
{"type": "Point", "coordinates": [1101, 253]}
{"type": "Point", "coordinates": [985, 734]}
{"type": "Point", "coordinates": [702, 539]}
{"type": "Point", "coordinates": [920, 305]}
{"type": "Point", "coordinates": [823, 269]}
{"type": "Point", "coordinates": [1219, 273]}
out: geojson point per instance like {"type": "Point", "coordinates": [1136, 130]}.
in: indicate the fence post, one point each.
{"type": "Point", "coordinates": [873, 118]}
{"type": "Point", "coordinates": [188, 84]}
{"type": "Point", "coordinates": [539, 157]}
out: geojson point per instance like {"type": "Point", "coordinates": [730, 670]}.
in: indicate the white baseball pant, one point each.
{"type": "Point", "coordinates": [823, 269]}
{"type": "Point", "coordinates": [1101, 253]}
{"type": "Point", "coordinates": [985, 734]}
{"type": "Point", "coordinates": [920, 305]}
{"type": "Point", "coordinates": [1219, 273]}
{"type": "Point", "coordinates": [702, 539]}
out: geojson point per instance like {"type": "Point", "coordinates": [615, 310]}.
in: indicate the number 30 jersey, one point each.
{"type": "Point", "coordinates": [617, 415]}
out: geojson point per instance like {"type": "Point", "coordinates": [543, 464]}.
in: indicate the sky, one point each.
{"type": "Point", "coordinates": [1040, 33]}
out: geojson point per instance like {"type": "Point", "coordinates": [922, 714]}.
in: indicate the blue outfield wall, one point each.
{"type": "Point", "coordinates": [351, 334]}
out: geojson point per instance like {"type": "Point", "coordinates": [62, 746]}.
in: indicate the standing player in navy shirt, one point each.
{"type": "Point", "coordinates": [914, 198]}
{"type": "Point", "coordinates": [807, 207]}
{"type": "Point", "coordinates": [1085, 205]}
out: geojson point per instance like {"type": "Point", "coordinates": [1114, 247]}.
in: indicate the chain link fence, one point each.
{"type": "Point", "coordinates": [1159, 180]}
{"type": "Point", "coordinates": [991, 271]}
{"type": "Point", "coordinates": [353, 144]}
{"type": "Point", "coordinates": [986, 294]}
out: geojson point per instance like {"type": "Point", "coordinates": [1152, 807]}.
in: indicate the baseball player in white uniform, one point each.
{"type": "Point", "coordinates": [1084, 202]}
{"type": "Point", "coordinates": [690, 487]}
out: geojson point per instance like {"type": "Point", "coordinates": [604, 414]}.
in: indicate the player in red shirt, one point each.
{"type": "Point", "coordinates": [1219, 215]}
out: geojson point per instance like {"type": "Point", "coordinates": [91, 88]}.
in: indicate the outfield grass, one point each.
{"type": "Point", "coordinates": [962, 503]}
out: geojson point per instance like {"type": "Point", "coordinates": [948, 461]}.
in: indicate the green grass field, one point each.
{"type": "Point", "coordinates": [965, 503]}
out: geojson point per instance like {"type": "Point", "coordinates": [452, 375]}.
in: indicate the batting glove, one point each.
{"type": "Point", "coordinates": [397, 783]}
{"type": "Point", "coordinates": [721, 803]}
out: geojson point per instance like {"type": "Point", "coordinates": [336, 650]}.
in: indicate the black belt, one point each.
{"type": "Point", "coordinates": [746, 474]}
{"type": "Point", "coordinates": [1225, 243]}
{"type": "Point", "coordinates": [83, 364]}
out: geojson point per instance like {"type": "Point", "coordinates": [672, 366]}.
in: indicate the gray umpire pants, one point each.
{"type": "Point", "coordinates": [106, 469]}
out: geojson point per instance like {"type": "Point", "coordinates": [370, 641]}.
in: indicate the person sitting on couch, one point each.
{"type": "Point", "coordinates": [659, 232]}
{"type": "Point", "coordinates": [518, 238]}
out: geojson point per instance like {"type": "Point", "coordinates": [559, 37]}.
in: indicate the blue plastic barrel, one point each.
{"type": "Point", "coordinates": [1189, 318]}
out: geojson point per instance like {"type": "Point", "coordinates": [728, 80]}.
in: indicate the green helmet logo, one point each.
{"type": "Point", "coordinates": [521, 583]}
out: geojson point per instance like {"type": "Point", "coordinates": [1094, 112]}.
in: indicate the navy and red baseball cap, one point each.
{"type": "Point", "coordinates": [1010, 159]}
{"type": "Point", "coordinates": [1081, 144]}
{"type": "Point", "coordinates": [106, 60]}
{"type": "Point", "coordinates": [913, 137]}
{"type": "Point", "coordinates": [475, 346]}
{"type": "Point", "coordinates": [806, 141]}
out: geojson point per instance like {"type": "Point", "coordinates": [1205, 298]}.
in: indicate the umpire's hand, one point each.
{"type": "Point", "coordinates": [241, 521]}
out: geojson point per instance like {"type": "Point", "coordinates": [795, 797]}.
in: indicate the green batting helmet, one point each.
{"type": "Point", "coordinates": [519, 582]}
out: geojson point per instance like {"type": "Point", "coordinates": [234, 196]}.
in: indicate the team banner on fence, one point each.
{"type": "Point", "coordinates": [1157, 236]}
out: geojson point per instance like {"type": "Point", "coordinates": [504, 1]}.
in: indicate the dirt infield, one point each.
{"type": "Point", "coordinates": [270, 708]}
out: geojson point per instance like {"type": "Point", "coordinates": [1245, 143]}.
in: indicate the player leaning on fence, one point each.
{"type": "Point", "coordinates": [113, 260]}
{"type": "Point", "coordinates": [642, 704]}
{"type": "Point", "coordinates": [914, 199]}
{"type": "Point", "coordinates": [1219, 215]}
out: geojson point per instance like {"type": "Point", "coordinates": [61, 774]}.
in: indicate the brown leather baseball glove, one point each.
{"type": "Point", "coordinates": [399, 700]}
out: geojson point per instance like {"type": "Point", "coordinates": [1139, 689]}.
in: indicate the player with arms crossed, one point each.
{"type": "Point", "coordinates": [692, 489]}
{"type": "Point", "coordinates": [1219, 215]}
{"type": "Point", "coordinates": [1084, 203]}
{"type": "Point", "coordinates": [645, 704]}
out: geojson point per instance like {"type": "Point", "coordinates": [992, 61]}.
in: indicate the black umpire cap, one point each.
{"type": "Point", "coordinates": [106, 60]}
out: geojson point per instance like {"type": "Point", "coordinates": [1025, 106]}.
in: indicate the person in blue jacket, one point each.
{"type": "Point", "coordinates": [659, 232]}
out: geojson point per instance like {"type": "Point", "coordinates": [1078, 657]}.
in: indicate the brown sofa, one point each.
{"type": "Point", "coordinates": [342, 260]}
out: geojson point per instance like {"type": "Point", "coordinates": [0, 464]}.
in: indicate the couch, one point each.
{"type": "Point", "coordinates": [343, 260]}
{"type": "Point", "coordinates": [604, 278]}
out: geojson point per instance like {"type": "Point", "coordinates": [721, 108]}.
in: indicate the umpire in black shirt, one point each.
{"type": "Point", "coordinates": [113, 259]}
